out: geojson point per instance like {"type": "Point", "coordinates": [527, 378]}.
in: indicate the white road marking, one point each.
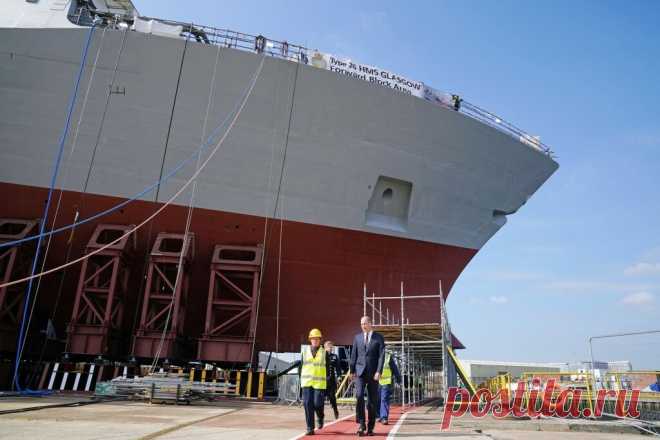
{"type": "Point", "coordinates": [394, 430]}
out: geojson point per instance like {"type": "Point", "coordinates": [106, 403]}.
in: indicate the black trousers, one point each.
{"type": "Point", "coordinates": [313, 401]}
{"type": "Point", "coordinates": [330, 392]}
{"type": "Point", "coordinates": [371, 385]}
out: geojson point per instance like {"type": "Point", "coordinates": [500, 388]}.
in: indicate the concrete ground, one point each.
{"type": "Point", "coordinates": [424, 423]}
{"type": "Point", "coordinates": [243, 420]}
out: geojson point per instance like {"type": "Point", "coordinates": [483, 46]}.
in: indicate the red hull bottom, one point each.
{"type": "Point", "coordinates": [316, 279]}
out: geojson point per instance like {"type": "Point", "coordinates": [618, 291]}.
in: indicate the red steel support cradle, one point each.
{"type": "Point", "coordinates": [98, 311]}
{"type": "Point", "coordinates": [162, 302]}
{"type": "Point", "coordinates": [231, 308]}
{"type": "Point", "coordinates": [14, 262]}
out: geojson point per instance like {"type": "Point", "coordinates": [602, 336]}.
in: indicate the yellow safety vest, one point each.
{"type": "Point", "coordinates": [386, 377]}
{"type": "Point", "coordinates": [313, 369]}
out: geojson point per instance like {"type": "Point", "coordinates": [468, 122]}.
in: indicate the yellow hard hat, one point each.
{"type": "Point", "coordinates": [315, 333]}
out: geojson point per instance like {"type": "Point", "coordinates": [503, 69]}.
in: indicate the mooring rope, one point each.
{"type": "Point", "coordinates": [160, 209]}
{"type": "Point", "coordinates": [42, 224]}
{"type": "Point", "coordinates": [67, 166]}
{"type": "Point", "coordinates": [177, 280]}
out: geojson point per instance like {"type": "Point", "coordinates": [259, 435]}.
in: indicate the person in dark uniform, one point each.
{"type": "Point", "coordinates": [366, 367]}
{"type": "Point", "coordinates": [456, 102]}
{"type": "Point", "coordinates": [333, 372]}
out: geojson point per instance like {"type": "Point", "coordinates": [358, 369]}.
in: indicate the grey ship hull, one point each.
{"type": "Point", "coordinates": [317, 150]}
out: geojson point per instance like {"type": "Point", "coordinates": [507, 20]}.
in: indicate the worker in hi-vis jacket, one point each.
{"type": "Point", "coordinates": [390, 370]}
{"type": "Point", "coordinates": [313, 381]}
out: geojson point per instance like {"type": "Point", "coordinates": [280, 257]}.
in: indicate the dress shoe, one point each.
{"type": "Point", "coordinates": [310, 432]}
{"type": "Point", "coordinates": [370, 433]}
{"type": "Point", "coordinates": [319, 423]}
{"type": "Point", "coordinates": [361, 431]}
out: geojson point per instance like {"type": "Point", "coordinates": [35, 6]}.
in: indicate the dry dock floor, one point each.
{"type": "Point", "coordinates": [254, 420]}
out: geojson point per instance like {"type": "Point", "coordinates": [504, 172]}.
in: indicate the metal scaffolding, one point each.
{"type": "Point", "coordinates": [419, 348]}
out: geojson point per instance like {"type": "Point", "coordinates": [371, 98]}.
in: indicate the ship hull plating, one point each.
{"type": "Point", "coordinates": [360, 184]}
{"type": "Point", "coordinates": [319, 271]}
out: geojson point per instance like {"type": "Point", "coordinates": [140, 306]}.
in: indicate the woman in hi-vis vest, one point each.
{"type": "Point", "coordinates": [313, 382]}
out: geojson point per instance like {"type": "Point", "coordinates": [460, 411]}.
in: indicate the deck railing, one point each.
{"type": "Point", "coordinates": [241, 40]}
{"type": "Point", "coordinates": [296, 53]}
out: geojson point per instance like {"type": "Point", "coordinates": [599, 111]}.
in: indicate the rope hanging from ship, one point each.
{"type": "Point", "coordinates": [42, 224]}
{"type": "Point", "coordinates": [210, 140]}
{"type": "Point", "coordinates": [149, 235]}
{"type": "Point", "coordinates": [134, 198]}
{"type": "Point", "coordinates": [160, 209]}
{"type": "Point", "coordinates": [465, 107]}
{"type": "Point", "coordinates": [281, 232]}
{"type": "Point", "coordinates": [67, 164]}
{"type": "Point", "coordinates": [238, 110]}
{"type": "Point", "coordinates": [81, 200]}
{"type": "Point", "coordinates": [191, 205]}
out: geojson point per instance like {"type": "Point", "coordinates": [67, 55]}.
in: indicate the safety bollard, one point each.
{"type": "Point", "coordinates": [260, 391]}
{"type": "Point", "coordinates": [238, 383]}
{"type": "Point", "coordinates": [248, 393]}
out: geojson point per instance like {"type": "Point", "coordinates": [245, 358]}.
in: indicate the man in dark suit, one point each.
{"type": "Point", "coordinates": [366, 367]}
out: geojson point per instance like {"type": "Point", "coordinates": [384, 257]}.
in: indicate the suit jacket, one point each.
{"type": "Point", "coordinates": [366, 361]}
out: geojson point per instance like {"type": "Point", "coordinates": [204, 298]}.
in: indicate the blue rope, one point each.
{"type": "Point", "coordinates": [42, 225]}
{"type": "Point", "coordinates": [119, 205]}
{"type": "Point", "coordinates": [175, 170]}
{"type": "Point", "coordinates": [43, 234]}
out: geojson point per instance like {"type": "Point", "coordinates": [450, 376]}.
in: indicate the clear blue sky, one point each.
{"type": "Point", "coordinates": [582, 257]}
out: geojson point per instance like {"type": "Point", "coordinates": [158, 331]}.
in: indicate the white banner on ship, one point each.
{"type": "Point", "coordinates": [366, 73]}
{"type": "Point", "coordinates": [438, 97]}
